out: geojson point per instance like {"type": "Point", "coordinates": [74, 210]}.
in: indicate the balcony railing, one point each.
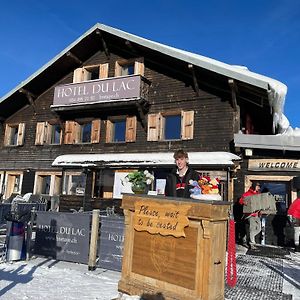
{"type": "Point", "coordinates": [109, 90]}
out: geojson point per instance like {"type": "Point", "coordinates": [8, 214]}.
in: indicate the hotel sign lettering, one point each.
{"type": "Point", "coordinates": [274, 165]}
{"type": "Point", "coordinates": [95, 91]}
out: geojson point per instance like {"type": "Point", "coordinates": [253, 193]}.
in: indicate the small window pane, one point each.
{"type": "Point", "coordinates": [14, 136]}
{"type": "Point", "coordinates": [74, 184]}
{"type": "Point", "coordinates": [45, 188]}
{"type": "Point", "coordinates": [56, 132]}
{"type": "Point", "coordinates": [127, 70]}
{"type": "Point", "coordinates": [173, 127]}
{"type": "Point", "coordinates": [119, 131]}
{"type": "Point", "coordinates": [86, 130]}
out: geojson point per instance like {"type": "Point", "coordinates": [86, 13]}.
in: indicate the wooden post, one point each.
{"type": "Point", "coordinates": [29, 233]}
{"type": "Point", "coordinates": [94, 240]}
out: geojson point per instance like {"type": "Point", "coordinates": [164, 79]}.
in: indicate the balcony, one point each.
{"type": "Point", "coordinates": [110, 93]}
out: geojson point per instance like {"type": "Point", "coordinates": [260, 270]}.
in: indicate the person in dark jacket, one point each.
{"type": "Point", "coordinates": [177, 184]}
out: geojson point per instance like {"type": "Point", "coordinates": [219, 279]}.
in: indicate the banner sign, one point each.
{"type": "Point", "coordinates": [95, 91]}
{"type": "Point", "coordinates": [274, 165]}
{"type": "Point", "coordinates": [165, 219]}
{"type": "Point", "coordinates": [111, 243]}
{"type": "Point", "coordinates": [63, 236]}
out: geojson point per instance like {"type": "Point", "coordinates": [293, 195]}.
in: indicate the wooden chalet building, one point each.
{"type": "Point", "coordinates": [112, 102]}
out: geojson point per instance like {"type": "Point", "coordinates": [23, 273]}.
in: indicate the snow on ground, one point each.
{"type": "Point", "coordinates": [42, 278]}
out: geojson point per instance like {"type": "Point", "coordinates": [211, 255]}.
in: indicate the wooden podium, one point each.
{"type": "Point", "coordinates": [174, 248]}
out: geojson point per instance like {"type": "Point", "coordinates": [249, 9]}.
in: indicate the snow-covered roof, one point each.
{"type": "Point", "coordinates": [142, 159]}
{"type": "Point", "coordinates": [276, 90]}
{"type": "Point", "coordinates": [276, 142]}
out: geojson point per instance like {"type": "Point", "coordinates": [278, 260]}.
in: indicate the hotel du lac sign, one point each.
{"type": "Point", "coordinates": [274, 165]}
{"type": "Point", "coordinates": [98, 91]}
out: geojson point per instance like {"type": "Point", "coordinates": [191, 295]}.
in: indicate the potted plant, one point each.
{"type": "Point", "coordinates": [139, 181]}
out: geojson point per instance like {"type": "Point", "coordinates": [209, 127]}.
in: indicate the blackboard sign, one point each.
{"type": "Point", "coordinates": [63, 236]}
{"type": "Point", "coordinates": [111, 243]}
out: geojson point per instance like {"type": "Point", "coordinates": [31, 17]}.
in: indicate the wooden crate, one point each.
{"type": "Point", "coordinates": [183, 267]}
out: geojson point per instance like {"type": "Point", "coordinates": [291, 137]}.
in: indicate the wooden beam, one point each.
{"type": "Point", "coordinates": [191, 67]}
{"type": "Point", "coordinates": [233, 88]}
{"type": "Point", "coordinates": [98, 32]}
{"type": "Point", "coordinates": [30, 97]}
{"type": "Point", "coordinates": [74, 57]}
{"type": "Point", "coordinates": [130, 46]}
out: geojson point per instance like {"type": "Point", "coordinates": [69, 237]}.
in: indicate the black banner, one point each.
{"type": "Point", "coordinates": [63, 236]}
{"type": "Point", "coordinates": [111, 243]}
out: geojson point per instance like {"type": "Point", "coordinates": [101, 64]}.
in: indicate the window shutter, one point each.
{"type": "Point", "coordinates": [131, 129]}
{"type": "Point", "coordinates": [153, 127]}
{"type": "Point", "coordinates": [117, 69]}
{"type": "Point", "coordinates": [95, 138]}
{"type": "Point", "coordinates": [76, 133]}
{"type": "Point", "coordinates": [109, 131]}
{"type": "Point", "coordinates": [103, 71]}
{"type": "Point", "coordinates": [187, 125]}
{"type": "Point", "coordinates": [70, 132]}
{"type": "Point", "coordinates": [86, 75]}
{"type": "Point", "coordinates": [21, 134]}
{"type": "Point", "coordinates": [139, 68]}
{"type": "Point", "coordinates": [40, 133]}
{"type": "Point", "coordinates": [7, 135]}
{"type": "Point", "coordinates": [77, 75]}
{"type": "Point", "coordinates": [48, 133]}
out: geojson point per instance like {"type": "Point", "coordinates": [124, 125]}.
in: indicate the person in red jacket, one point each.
{"type": "Point", "coordinates": [294, 212]}
{"type": "Point", "coordinates": [252, 219]}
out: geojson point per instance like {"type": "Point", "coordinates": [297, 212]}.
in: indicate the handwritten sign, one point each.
{"type": "Point", "coordinates": [165, 219]}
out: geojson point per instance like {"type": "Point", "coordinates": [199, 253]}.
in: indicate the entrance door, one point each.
{"type": "Point", "coordinates": [277, 228]}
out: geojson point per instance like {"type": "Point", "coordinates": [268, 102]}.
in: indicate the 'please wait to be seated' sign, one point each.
{"type": "Point", "coordinates": [165, 219]}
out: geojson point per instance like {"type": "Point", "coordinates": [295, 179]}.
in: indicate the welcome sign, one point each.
{"type": "Point", "coordinates": [96, 91]}
{"type": "Point", "coordinates": [63, 236]}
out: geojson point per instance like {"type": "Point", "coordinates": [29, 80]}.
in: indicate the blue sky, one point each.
{"type": "Point", "coordinates": [262, 35]}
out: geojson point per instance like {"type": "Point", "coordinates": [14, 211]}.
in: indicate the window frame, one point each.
{"type": "Point", "coordinates": [55, 182]}
{"type": "Point", "coordinates": [138, 66]}
{"type": "Point", "coordinates": [19, 129]}
{"type": "Point", "coordinates": [8, 183]}
{"type": "Point", "coordinates": [67, 190]}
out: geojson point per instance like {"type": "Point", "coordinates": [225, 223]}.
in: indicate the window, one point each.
{"type": "Point", "coordinates": [171, 126]}
{"type": "Point", "coordinates": [83, 132]}
{"type": "Point", "coordinates": [121, 130]}
{"type": "Point", "coordinates": [13, 183]}
{"type": "Point", "coordinates": [47, 183]}
{"type": "Point", "coordinates": [103, 182]}
{"type": "Point", "coordinates": [56, 134]}
{"type": "Point", "coordinates": [49, 134]}
{"type": "Point", "coordinates": [14, 134]}
{"type": "Point", "coordinates": [90, 73]}
{"type": "Point", "coordinates": [129, 67]}
{"type": "Point", "coordinates": [74, 183]}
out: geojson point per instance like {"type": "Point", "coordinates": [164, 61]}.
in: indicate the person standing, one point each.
{"type": "Point", "coordinates": [252, 219]}
{"type": "Point", "coordinates": [294, 212]}
{"type": "Point", "coordinates": [177, 183]}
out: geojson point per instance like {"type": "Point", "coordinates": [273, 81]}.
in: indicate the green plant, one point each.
{"type": "Point", "coordinates": [139, 177]}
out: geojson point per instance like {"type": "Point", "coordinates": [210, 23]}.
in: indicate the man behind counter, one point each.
{"type": "Point", "coordinates": [177, 183]}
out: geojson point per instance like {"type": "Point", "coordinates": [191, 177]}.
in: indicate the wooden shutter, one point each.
{"type": "Point", "coordinates": [95, 136]}
{"type": "Point", "coordinates": [153, 127]}
{"type": "Point", "coordinates": [40, 133]}
{"type": "Point", "coordinates": [139, 67]}
{"type": "Point", "coordinates": [103, 71]}
{"type": "Point", "coordinates": [117, 69]}
{"type": "Point", "coordinates": [70, 132]}
{"type": "Point", "coordinates": [86, 75]}
{"type": "Point", "coordinates": [131, 129]}
{"type": "Point", "coordinates": [77, 75]}
{"type": "Point", "coordinates": [7, 135]}
{"type": "Point", "coordinates": [187, 125]}
{"type": "Point", "coordinates": [21, 134]}
{"type": "Point", "coordinates": [109, 131]}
